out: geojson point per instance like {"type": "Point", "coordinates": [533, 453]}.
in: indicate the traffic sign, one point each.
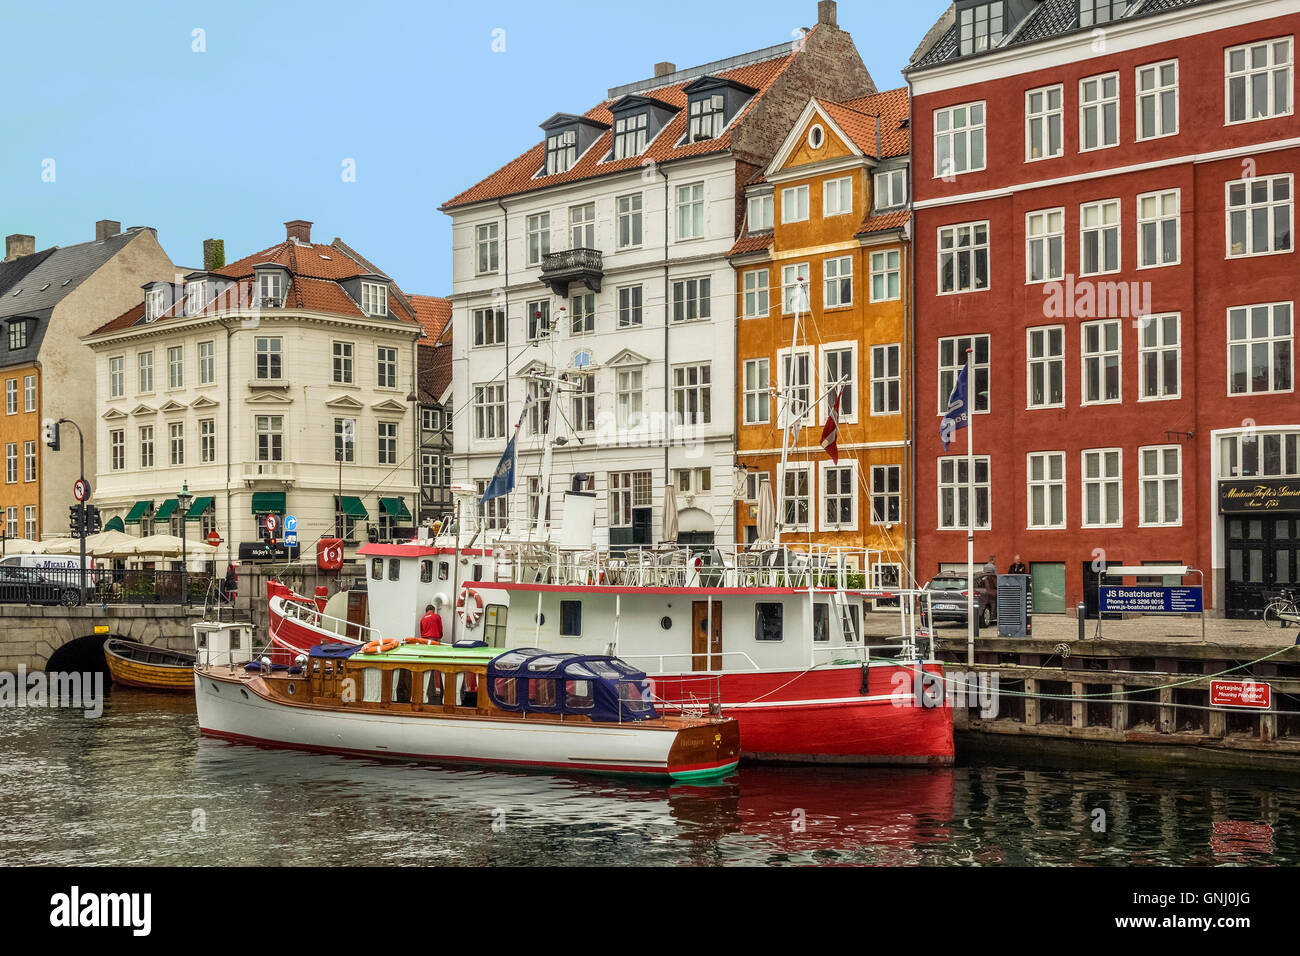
{"type": "Point", "coordinates": [1241, 693]}
{"type": "Point", "coordinates": [213, 538]}
{"type": "Point", "coordinates": [272, 522]}
{"type": "Point", "coordinates": [291, 539]}
{"type": "Point", "coordinates": [290, 523]}
{"type": "Point", "coordinates": [81, 489]}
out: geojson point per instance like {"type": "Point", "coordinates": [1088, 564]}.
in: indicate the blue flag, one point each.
{"type": "Point", "coordinates": [503, 479]}
{"type": "Point", "coordinates": [958, 414]}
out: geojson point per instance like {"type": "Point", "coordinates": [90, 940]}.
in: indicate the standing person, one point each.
{"type": "Point", "coordinates": [991, 566]}
{"type": "Point", "coordinates": [431, 625]}
{"type": "Point", "coordinates": [1017, 566]}
{"type": "Point", "coordinates": [230, 584]}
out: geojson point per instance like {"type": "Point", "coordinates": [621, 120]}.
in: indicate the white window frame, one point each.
{"type": "Point", "coordinates": [386, 442]}
{"type": "Point", "coordinates": [756, 293]}
{"type": "Point", "coordinates": [628, 211]}
{"type": "Point", "coordinates": [29, 393]}
{"type": "Point", "coordinates": [886, 266]}
{"type": "Point", "coordinates": [537, 229]}
{"type": "Point", "coordinates": [824, 467]}
{"type": "Point", "coordinates": [1101, 482]}
{"type": "Point", "coordinates": [890, 189]}
{"type": "Point", "coordinates": [692, 293]}
{"type": "Point", "coordinates": [1162, 484]}
{"type": "Point", "coordinates": [1101, 207]}
{"type": "Point", "coordinates": [761, 212]}
{"type": "Point", "coordinates": [789, 362]}
{"type": "Point", "coordinates": [117, 376]}
{"type": "Point", "coordinates": [956, 250]}
{"type": "Point", "coordinates": [175, 367]}
{"type": "Point", "coordinates": [1157, 222]}
{"type": "Point", "coordinates": [974, 129]}
{"type": "Point", "coordinates": [837, 197]}
{"type": "Point", "coordinates": [1100, 356]}
{"type": "Point", "coordinates": [689, 212]}
{"type": "Point", "coordinates": [208, 362]}
{"type": "Point", "coordinates": [883, 380]}
{"type": "Point", "coordinates": [489, 403]}
{"type": "Point", "coordinates": [1040, 231]}
{"type": "Point", "coordinates": [117, 449]}
{"type": "Point", "coordinates": [1098, 106]}
{"type": "Point", "coordinates": [851, 390]}
{"type": "Point", "coordinates": [837, 277]}
{"type": "Point", "coordinates": [488, 327]}
{"type": "Point", "coordinates": [629, 301]}
{"type": "Point", "coordinates": [796, 198]}
{"type": "Point", "coordinates": [1271, 339]}
{"type": "Point", "coordinates": [1247, 71]}
{"type": "Point", "coordinates": [795, 468]}
{"type": "Point", "coordinates": [487, 248]}
{"type": "Point", "coordinates": [790, 274]}
{"type": "Point", "coordinates": [207, 440]}
{"type": "Point", "coordinates": [1046, 118]}
{"type": "Point", "coordinates": [274, 349]}
{"type": "Point", "coordinates": [343, 363]}
{"type": "Point", "coordinates": [146, 446]}
{"type": "Point", "coordinates": [882, 519]}
{"type": "Point", "coordinates": [374, 299]}
{"type": "Point", "coordinates": [1155, 94]}
{"type": "Point", "coordinates": [756, 388]}
{"type": "Point", "coordinates": [1051, 488]}
{"type": "Point", "coordinates": [629, 398]}
{"type": "Point", "coordinates": [1271, 208]}
{"type": "Point", "coordinates": [386, 366]}
{"type": "Point", "coordinates": [959, 489]}
{"type": "Point", "coordinates": [144, 369]}
{"type": "Point", "coordinates": [582, 226]}
{"type": "Point", "coordinates": [176, 442]}
{"type": "Point", "coordinates": [1046, 360]}
{"type": "Point", "coordinates": [701, 388]}
{"type": "Point", "coordinates": [1147, 345]}
{"type": "Point", "coordinates": [947, 376]}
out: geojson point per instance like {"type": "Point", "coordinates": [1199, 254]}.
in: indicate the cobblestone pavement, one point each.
{"type": "Point", "coordinates": [1218, 630]}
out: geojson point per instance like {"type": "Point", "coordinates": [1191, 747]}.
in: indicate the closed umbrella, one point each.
{"type": "Point", "coordinates": [669, 531]}
{"type": "Point", "coordinates": [766, 513]}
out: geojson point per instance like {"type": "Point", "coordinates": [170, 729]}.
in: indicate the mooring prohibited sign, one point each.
{"type": "Point", "coordinates": [1241, 693]}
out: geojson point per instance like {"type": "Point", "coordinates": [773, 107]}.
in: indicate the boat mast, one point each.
{"type": "Point", "coordinates": [791, 423]}
{"type": "Point", "coordinates": [552, 419]}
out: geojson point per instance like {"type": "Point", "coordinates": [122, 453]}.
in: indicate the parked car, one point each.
{"type": "Point", "coordinates": [28, 586]}
{"type": "Point", "coordinates": [949, 598]}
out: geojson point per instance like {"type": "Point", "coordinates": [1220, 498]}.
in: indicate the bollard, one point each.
{"type": "Point", "coordinates": [1081, 614]}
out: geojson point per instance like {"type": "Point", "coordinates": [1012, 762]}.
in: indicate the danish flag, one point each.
{"type": "Point", "coordinates": [831, 433]}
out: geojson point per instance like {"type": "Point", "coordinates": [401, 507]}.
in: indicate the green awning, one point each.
{"type": "Point", "coordinates": [138, 511]}
{"type": "Point", "coordinates": [115, 524]}
{"type": "Point", "coordinates": [352, 507]}
{"type": "Point", "coordinates": [395, 508]}
{"type": "Point", "coordinates": [165, 509]}
{"type": "Point", "coordinates": [200, 507]}
{"type": "Point", "coordinates": [268, 502]}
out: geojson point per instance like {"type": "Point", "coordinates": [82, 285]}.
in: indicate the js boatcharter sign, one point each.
{"type": "Point", "coordinates": [1151, 600]}
{"type": "Point", "coordinates": [1241, 693]}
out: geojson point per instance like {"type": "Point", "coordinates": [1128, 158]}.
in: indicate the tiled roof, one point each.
{"type": "Point", "coordinates": [882, 222]}
{"type": "Point", "coordinates": [62, 269]}
{"type": "Point", "coordinates": [12, 272]}
{"type": "Point", "coordinates": [314, 261]}
{"type": "Point", "coordinates": [441, 369]}
{"type": "Point", "coordinates": [434, 313]}
{"type": "Point", "coordinates": [520, 175]}
{"type": "Point", "coordinates": [755, 243]}
{"type": "Point", "coordinates": [858, 120]}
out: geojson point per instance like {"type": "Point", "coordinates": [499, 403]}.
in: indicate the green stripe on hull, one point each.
{"type": "Point", "coordinates": [707, 773]}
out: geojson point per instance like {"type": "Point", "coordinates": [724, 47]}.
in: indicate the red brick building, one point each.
{"type": "Point", "coordinates": [1104, 200]}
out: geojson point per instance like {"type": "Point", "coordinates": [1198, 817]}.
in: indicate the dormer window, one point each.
{"type": "Point", "coordinates": [270, 289]}
{"type": "Point", "coordinates": [630, 135]}
{"type": "Point", "coordinates": [1092, 12]}
{"type": "Point", "coordinates": [760, 212]}
{"type": "Point", "coordinates": [982, 27]}
{"type": "Point", "coordinates": [155, 302]}
{"type": "Point", "coordinates": [708, 118]}
{"type": "Point", "coordinates": [196, 297]}
{"type": "Point", "coordinates": [561, 151]}
{"type": "Point", "coordinates": [374, 298]}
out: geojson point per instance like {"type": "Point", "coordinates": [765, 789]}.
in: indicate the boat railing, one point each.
{"type": "Point", "coordinates": [304, 610]}
{"type": "Point", "coordinates": [687, 695]}
{"type": "Point", "coordinates": [689, 659]}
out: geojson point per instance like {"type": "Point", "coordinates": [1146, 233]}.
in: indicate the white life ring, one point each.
{"type": "Point", "coordinates": [470, 606]}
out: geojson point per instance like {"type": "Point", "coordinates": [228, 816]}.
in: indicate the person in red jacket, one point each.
{"type": "Point", "coordinates": [431, 625]}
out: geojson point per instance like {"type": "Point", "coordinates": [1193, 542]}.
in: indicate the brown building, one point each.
{"type": "Point", "coordinates": [433, 386]}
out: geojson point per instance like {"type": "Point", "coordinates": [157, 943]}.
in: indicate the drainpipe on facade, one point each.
{"type": "Point", "coordinates": [505, 307]}
{"type": "Point", "coordinates": [909, 344]}
{"type": "Point", "coordinates": [668, 416]}
{"type": "Point", "coordinates": [230, 516]}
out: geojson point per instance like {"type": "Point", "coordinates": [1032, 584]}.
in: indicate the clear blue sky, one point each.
{"type": "Point", "coordinates": [232, 142]}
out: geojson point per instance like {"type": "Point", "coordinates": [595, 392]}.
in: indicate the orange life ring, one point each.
{"type": "Point", "coordinates": [470, 606]}
{"type": "Point", "coordinates": [379, 647]}
{"type": "Point", "coordinates": [418, 640]}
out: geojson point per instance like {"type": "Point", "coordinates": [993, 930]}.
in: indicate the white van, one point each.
{"type": "Point", "coordinates": [65, 564]}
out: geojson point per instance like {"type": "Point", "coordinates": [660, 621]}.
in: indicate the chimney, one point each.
{"type": "Point", "coordinates": [106, 229]}
{"type": "Point", "coordinates": [298, 230]}
{"type": "Point", "coordinates": [665, 69]}
{"type": "Point", "coordinates": [19, 245]}
{"type": "Point", "coordinates": [826, 12]}
{"type": "Point", "coordinates": [214, 254]}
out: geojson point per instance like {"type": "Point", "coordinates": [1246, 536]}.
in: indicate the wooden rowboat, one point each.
{"type": "Point", "coordinates": [152, 668]}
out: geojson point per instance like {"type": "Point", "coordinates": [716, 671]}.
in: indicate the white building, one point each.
{"type": "Point", "coordinates": [278, 385]}
{"type": "Point", "coordinates": [616, 229]}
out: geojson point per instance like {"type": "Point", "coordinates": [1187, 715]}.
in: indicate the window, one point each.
{"type": "Point", "coordinates": [628, 490]}
{"type": "Point", "coordinates": [11, 463]}
{"type": "Point", "coordinates": [386, 367]}
{"type": "Point", "coordinates": [29, 461]}
{"type": "Point", "coordinates": [891, 189]}
{"type": "Point", "coordinates": [1044, 112]}
{"type": "Point", "coordinates": [794, 204]}
{"type": "Point", "coordinates": [146, 446]}
{"type": "Point", "coordinates": [837, 197]}
{"type": "Point", "coordinates": [795, 402]}
{"type": "Point", "coordinates": [269, 364]}
{"type": "Point", "coordinates": [630, 135]}
{"type": "Point", "coordinates": [343, 363]}
{"type": "Point", "coordinates": [981, 28]}
{"type": "Point", "coordinates": [767, 620]}
{"type": "Point", "coordinates": [691, 299]}
{"type": "Point", "coordinates": [539, 409]}
{"type": "Point", "coordinates": [690, 211]}
{"type": "Point", "coordinates": [1092, 12]}
{"type": "Point", "coordinates": [11, 522]}
{"type": "Point", "coordinates": [1045, 245]}
{"type": "Point", "coordinates": [1258, 79]}
{"type": "Point", "coordinates": [489, 326]}
{"type": "Point", "coordinates": [155, 302]}
{"type": "Point", "coordinates": [1254, 453]}
{"type": "Point", "coordinates": [755, 289]}
{"type": "Point", "coordinates": [490, 411]}
{"type": "Point", "coordinates": [1101, 366]}
{"type": "Point", "coordinates": [388, 443]}
{"type": "Point", "coordinates": [760, 212]}
{"type": "Point", "coordinates": [11, 396]}
{"type": "Point", "coordinates": [570, 618]}
{"type": "Point", "coordinates": [840, 364]}
{"type": "Point", "coordinates": [1259, 349]}
{"type": "Point", "coordinates": [628, 397]}
{"type": "Point", "coordinates": [374, 295]}
{"type": "Point", "coordinates": [1047, 489]}
{"type": "Point", "coordinates": [539, 319]}
{"type": "Point", "coordinates": [345, 440]}
{"type": "Point", "coordinates": [538, 228]}
{"type": "Point", "coordinates": [964, 257]}
{"type": "Point", "coordinates": [886, 387]}
{"type": "Point", "coordinates": [1159, 358]}
{"type": "Point", "coordinates": [694, 480]}
{"type": "Point", "coordinates": [794, 295]}
{"type": "Point", "coordinates": [1157, 100]}
{"type": "Point", "coordinates": [18, 334]}
{"type": "Point", "coordinates": [959, 139]}
{"type": "Point", "coordinates": [176, 367]}
{"type": "Point", "coordinates": [270, 438]}
{"type": "Point", "coordinates": [1099, 112]}
{"type": "Point", "coordinates": [486, 251]}
{"type": "Point", "coordinates": [270, 288]}
{"type": "Point", "coordinates": [757, 388]}
{"type": "Point", "coordinates": [196, 297]}
{"type": "Point", "coordinates": [430, 420]}
{"type": "Point", "coordinates": [583, 403]}
{"type": "Point", "coordinates": [954, 496]}
{"type": "Point", "coordinates": [886, 284]}
{"type": "Point", "coordinates": [144, 364]}
{"type": "Point", "coordinates": [116, 376]}
{"type": "Point", "coordinates": [629, 221]}
{"type": "Point", "coordinates": [561, 151]}
{"type": "Point", "coordinates": [446, 470]}
{"type": "Point", "coordinates": [207, 440]}
{"type": "Point", "coordinates": [1046, 367]}
{"type": "Point", "coordinates": [1158, 230]}
{"type": "Point", "coordinates": [1099, 237]}
{"type": "Point", "coordinates": [629, 306]}
{"type": "Point", "coordinates": [886, 494]}
{"type": "Point", "coordinates": [29, 522]}
{"type": "Point", "coordinates": [1103, 485]}
{"type": "Point", "coordinates": [582, 309]}
{"type": "Point", "coordinates": [582, 226]}
{"type": "Point", "coordinates": [176, 436]}
{"type": "Point", "coordinates": [1260, 215]}
{"type": "Point", "coordinates": [1162, 485]}
{"type": "Point", "coordinates": [839, 497]}
{"type": "Point", "coordinates": [692, 394]}
{"type": "Point", "coordinates": [117, 449]}
{"type": "Point", "coordinates": [796, 497]}
{"type": "Point", "coordinates": [753, 481]}
{"type": "Point", "coordinates": [707, 118]}
{"type": "Point", "coordinates": [207, 363]}
{"type": "Point", "coordinates": [29, 393]}
{"type": "Point", "coordinates": [837, 275]}
{"type": "Point", "coordinates": [430, 467]}
{"type": "Point", "coordinates": [952, 356]}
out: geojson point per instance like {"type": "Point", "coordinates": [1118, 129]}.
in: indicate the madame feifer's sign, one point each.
{"type": "Point", "coordinates": [1251, 495]}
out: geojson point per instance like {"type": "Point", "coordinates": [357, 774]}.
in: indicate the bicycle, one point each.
{"type": "Point", "coordinates": [1282, 610]}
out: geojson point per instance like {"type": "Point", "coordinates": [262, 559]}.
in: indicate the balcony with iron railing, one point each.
{"type": "Point", "coordinates": [560, 269]}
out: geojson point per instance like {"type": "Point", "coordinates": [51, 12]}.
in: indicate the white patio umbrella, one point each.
{"type": "Point", "coordinates": [24, 546]}
{"type": "Point", "coordinates": [669, 530]}
{"type": "Point", "coordinates": [98, 545]}
{"type": "Point", "coordinates": [158, 545]}
{"type": "Point", "coordinates": [766, 513]}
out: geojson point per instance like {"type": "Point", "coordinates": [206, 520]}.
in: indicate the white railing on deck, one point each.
{"type": "Point", "coordinates": [304, 611]}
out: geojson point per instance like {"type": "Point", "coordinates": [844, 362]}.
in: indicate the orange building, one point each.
{"type": "Point", "coordinates": [826, 235]}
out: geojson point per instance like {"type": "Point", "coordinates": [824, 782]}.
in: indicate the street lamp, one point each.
{"type": "Point", "coordinates": [183, 501]}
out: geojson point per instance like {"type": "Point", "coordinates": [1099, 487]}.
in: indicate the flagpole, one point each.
{"type": "Point", "coordinates": [970, 512]}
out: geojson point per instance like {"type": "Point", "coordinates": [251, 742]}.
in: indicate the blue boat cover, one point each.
{"type": "Point", "coordinates": [335, 650]}
{"type": "Point", "coordinates": [530, 680]}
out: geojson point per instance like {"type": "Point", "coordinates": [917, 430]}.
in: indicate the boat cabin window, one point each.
{"type": "Point", "coordinates": [444, 570]}
{"type": "Point", "coordinates": [466, 690]}
{"type": "Point", "coordinates": [850, 623]}
{"type": "Point", "coordinates": [633, 697]}
{"type": "Point", "coordinates": [203, 636]}
{"type": "Point", "coordinates": [377, 569]}
{"type": "Point", "coordinates": [821, 621]}
{"type": "Point", "coordinates": [235, 637]}
{"type": "Point", "coordinates": [372, 685]}
{"type": "Point", "coordinates": [571, 619]}
{"type": "Point", "coordinates": [432, 687]}
{"type": "Point", "coordinates": [541, 692]}
{"type": "Point", "coordinates": [506, 691]}
{"type": "Point", "coordinates": [426, 571]}
{"type": "Point", "coordinates": [768, 621]}
{"type": "Point", "coordinates": [478, 571]}
{"type": "Point", "coordinates": [394, 568]}
{"type": "Point", "coordinates": [494, 625]}
{"type": "Point", "coordinates": [578, 695]}
{"type": "Point", "coordinates": [401, 686]}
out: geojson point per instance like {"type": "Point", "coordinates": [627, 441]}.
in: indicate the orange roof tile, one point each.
{"type": "Point", "coordinates": [858, 120]}
{"type": "Point", "coordinates": [885, 221]}
{"type": "Point", "coordinates": [747, 244]}
{"type": "Point", "coordinates": [434, 313]}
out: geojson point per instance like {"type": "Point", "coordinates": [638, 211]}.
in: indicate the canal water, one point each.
{"type": "Point", "coordinates": [138, 786]}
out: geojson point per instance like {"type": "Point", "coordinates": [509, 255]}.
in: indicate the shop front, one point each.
{"type": "Point", "coordinates": [1261, 534]}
